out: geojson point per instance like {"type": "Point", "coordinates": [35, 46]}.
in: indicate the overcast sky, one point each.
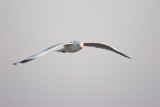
{"type": "Point", "coordinates": [91, 77]}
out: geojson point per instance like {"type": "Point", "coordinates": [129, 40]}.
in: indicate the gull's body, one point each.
{"type": "Point", "coordinates": [71, 47]}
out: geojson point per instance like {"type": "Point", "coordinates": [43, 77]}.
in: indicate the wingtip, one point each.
{"type": "Point", "coordinates": [131, 58]}
{"type": "Point", "coordinates": [23, 61]}
{"type": "Point", "coordinates": [15, 63]}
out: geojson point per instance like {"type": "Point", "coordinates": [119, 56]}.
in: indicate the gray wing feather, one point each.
{"type": "Point", "coordinates": [104, 46]}
{"type": "Point", "coordinates": [42, 53]}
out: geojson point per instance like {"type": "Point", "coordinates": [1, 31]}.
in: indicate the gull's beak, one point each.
{"type": "Point", "coordinates": [81, 45]}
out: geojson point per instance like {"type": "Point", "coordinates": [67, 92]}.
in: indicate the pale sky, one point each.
{"type": "Point", "coordinates": [88, 78]}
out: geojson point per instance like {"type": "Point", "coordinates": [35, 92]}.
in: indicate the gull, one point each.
{"type": "Point", "coordinates": [71, 47]}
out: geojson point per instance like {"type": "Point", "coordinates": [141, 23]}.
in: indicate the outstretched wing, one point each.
{"type": "Point", "coordinates": [42, 53]}
{"type": "Point", "coordinates": [104, 46]}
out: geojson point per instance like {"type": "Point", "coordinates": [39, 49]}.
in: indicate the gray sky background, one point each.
{"type": "Point", "coordinates": [91, 77]}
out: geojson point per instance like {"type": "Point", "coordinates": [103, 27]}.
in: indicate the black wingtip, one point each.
{"type": "Point", "coordinates": [123, 54]}
{"type": "Point", "coordinates": [23, 61]}
{"type": "Point", "coordinates": [128, 57]}
{"type": "Point", "coordinates": [15, 63]}
{"type": "Point", "coordinates": [133, 58]}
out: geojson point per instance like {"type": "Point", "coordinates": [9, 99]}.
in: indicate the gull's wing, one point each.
{"type": "Point", "coordinates": [104, 46]}
{"type": "Point", "coordinates": [42, 52]}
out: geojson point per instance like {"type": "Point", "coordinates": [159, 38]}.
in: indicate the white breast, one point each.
{"type": "Point", "coordinates": [72, 48]}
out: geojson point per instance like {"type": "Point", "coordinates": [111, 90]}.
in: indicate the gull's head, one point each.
{"type": "Point", "coordinates": [78, 44]}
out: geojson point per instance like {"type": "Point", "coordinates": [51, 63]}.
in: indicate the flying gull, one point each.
{"type": "Point", "coordinates": [71, 47]}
